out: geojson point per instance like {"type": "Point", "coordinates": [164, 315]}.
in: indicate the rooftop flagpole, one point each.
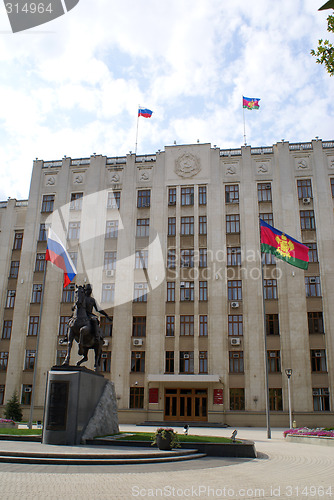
{"type": "Point", "coordinates": [243, 112]}
{"type": "Point", "coordinates": [137, 129]}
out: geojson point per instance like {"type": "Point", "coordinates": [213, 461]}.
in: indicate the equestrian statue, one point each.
{"type": "Point", "coordinates": [84, 327]}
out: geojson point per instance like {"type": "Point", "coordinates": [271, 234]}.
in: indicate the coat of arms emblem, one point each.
{"type": "Point", "coordinates": [187, 165]}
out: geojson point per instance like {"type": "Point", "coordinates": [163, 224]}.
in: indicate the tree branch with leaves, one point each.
{"type": "Point", "coordinates": [325, 50]}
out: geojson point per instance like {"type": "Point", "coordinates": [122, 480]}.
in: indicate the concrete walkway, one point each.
{"type": "Point", "coordinates": [282, 470]}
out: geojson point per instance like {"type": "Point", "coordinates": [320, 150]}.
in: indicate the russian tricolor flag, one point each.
{"type": "Point", "coordinates": [146, 113]}
{"type": "Point", "coordinates": [57, 254]}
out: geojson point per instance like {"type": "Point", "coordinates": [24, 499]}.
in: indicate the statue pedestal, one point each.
{"type": "Point", "coordinates": [79, 404]}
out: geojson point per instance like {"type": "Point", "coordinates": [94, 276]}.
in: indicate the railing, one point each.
{"type": "Point", "coordinates": [260, 151]}
{"type": "Point", "coordinates": [48, 164]}
{"type": "Point", "coordinates": [80, 161]}
{"type": "Point", "coordinates": [328, 144]}
{"type": "Point", "coordinates": [116, 160]}
{"type": "Point", "coordinates": [3, 204]}
{"type": "Point", "coordinates": [143, 158]}
{"type": "Point", "coordinates": [230, 152]}
{"type": "Point", "coordinates": [21, 203]}
{"type": "Point", "coordinates": [300, 146]}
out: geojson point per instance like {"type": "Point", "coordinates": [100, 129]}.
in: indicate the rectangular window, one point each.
{"type": "Point", "coordinates": [108, 293]}
{"type": "Point", "coordinates": [203, 325]}
{"type": "Point", "coordinates": [43, 232]}
{"type": "Point", "coordinates": [272, 324]}
{"type": "Point", "coordinates": [139, 326]}
{"type": "Point", "coordinates": [26, 394]}
{"type": "Point", "coordinates": [106, 326]}
{"type": "Point", "coordinates": [186, 362]}
{"type": "Point", "coordinates": [110, 259]}
{"type": "Point", "coordinates": [18, 238]}
{"type": "Point", "coordinates": [33, 325]}
{"type": "Point", "coordinates": [315, 322]}
{"type": "Point", "coordinates": [187, 325]}
{"type": "Point", "coordinates": [274, 361]}
{"type": "Point", "coordinates": [268, 258]}
{"type": "Point", "coordinates": [233, 256]}
{"type": "Point", "coordinates": [304, 187]}
{"type": "Point", "coordinates": [203, 291]}
{"type": "Point", "coordinates": [232, 193]}
{"type": "Point", "coordinates": [169, 364]}
{"type": "Point", "coordinates": [111, 229]}
{"type": "Point", "coordinates": [264, 192]}
{"type": "Point", "coordinates": [307, 220]}
{"type": "Point", "coordinates": [76, 201]}
{"type": "Point", "coordinates": [29, 361]}
{"type": "Point", "coordinates": [68, 293]}
{"type": "Point", "coordinates": [312, 286]}
{"type": "Point", "coordinates": [2, 393]}
{"type": "Point", "coordinates": [187, 196]}
{"type": "Point", "coordinates": [203, 257]}
{"type": "Point", "coordinates": [14, 269]}
{"type": "Point", "coordinates": [60, 356]}
{"type": "Point", "coordinates": [270, 289]}
{"type": "Point", "coordinates": [141, 261]}
{"type": "Point", "coordinates": [73, 231]}
{"type": "Point", "coordinates": [143, 228]}
{"type": "Point", "coordinates": [187, 291]}
{"type": "Point", "coordinates": [170, 291]}
{"type": "Point", "coordinates": [321, 399]}
{"type": "Point", "coordinates": [171, 196]}
{"type": "Point", "coordinates": [275, 400]}
{"type": "Point", "coordinates": [106, 362]}
{"type": "Point", "coordinates": [63, 324]}
{"type": "Point", "coordinates": [237, 399]}
{"type": "Point", "coordinates": [234, 290]}
{"type": "Point", "coordinates": [138, 361]}
{"type": "Point", "coordinates": [202, 195]}
{"type": "Point", "coordinates": [235, 325]}
{"type": "Point", "coordinates": [187, 226]}
{"type": "Point", "coordinates": [202, 225]}
{"type": "Point", "coordinates": [318, 360]}
{"type": "Point", "coordinates": [114, 199]}
{"type": "Point", "coordinates": [136, 397]}
{"type": "Point", "coordinates": [313, 252]}
{"type": "Point", "coordinates": [7, 329]}
{"type": "Point", "coordinates": [171, 258]}
{"type": "Point", "coordinates": [236, 361]}
{"type": "Point", "coordinates": [10, 299]}
{"type": "Point", "coordinates": [3, 361]}
{"type": "Point", "coordinates": [40, 262]}
{"type": "Point", "coordinates": [233, 224]}
{"type": "Point", "coordinates": [140, 292]}
{"type": "Point", "coordinates": [74, 258]}
{"type": "Point", "coordinates": [268, 218]}
{"type": "Point", "coordinates": [332, 186]}
{"type": "Point", "coordinates": [36, 294]}
{"type": "Point", "coordinates": [170, 326]}
{"type": "Point", "coordinates": [187, 258]}
{"type": "Point", "coordinates": [203, 362]}
{"type": "Point", "coordinates": [144, 198]}
{"type": "Point", "coordinates": [47, 203]}
{"type": "Point", "coordinates": [171, 226]}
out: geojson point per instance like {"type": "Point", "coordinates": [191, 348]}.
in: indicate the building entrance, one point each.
{"type": "Point", "coordinates": [186, 404]}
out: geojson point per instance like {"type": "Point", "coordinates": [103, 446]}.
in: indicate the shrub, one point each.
{"type": "Point", "coordinates": [13, 409]}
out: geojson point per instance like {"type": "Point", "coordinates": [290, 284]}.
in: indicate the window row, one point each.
{"type": "Point", "coordinates": [187, 226]}
{"type": "Point", "coordinates": [187, 195]}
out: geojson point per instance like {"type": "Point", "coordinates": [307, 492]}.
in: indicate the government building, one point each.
{"type": "Point", "coordinates": [170, 243]}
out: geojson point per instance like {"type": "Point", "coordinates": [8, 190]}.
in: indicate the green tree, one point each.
{"type": "Point", "coordinates": [13, 409]}
{"type": "Point", "coordinates": [325, 50]}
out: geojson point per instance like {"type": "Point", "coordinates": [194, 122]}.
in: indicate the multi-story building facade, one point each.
{"type": "Point", "coordinates": [170, 243]}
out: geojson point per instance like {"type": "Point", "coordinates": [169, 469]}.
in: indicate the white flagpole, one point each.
{"type": "Point", "coordinates": [137, 130]}
{"type": "Point", "coordinates": [243, 112]}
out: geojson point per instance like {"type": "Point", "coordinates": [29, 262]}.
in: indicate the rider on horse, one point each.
{"type": "Point", "coordinates": [90, 305]}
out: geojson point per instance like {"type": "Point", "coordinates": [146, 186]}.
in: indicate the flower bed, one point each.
{"type": "Point", "coordinates": [305, 431]}
{"type": "Point", "coordinates": [5, 423]}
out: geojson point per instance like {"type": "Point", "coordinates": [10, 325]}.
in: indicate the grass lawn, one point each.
{"type": "Point", "coordinates": [148, 436]}
{"type": "Point", "coordinates": [20, 432]}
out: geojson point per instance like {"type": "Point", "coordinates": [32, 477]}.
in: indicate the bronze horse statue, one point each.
{"type": "Point", "coordinates": [80, 328]}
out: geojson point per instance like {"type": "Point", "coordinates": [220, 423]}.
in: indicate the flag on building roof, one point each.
{"type": "Point", "coordinates": [283, 246]}
{"type": "Point", "coordinates": [250, 102]}
{"type": "Point", "coordinates": [57, 254]}
{"type": "Point", "coordinates": [146, 113]}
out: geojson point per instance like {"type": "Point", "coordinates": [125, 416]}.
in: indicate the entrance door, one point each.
{"type": "Point", "coordinates": [186, 404]}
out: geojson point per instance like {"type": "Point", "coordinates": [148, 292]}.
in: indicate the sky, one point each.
{"type": "Point", "coordinates": [73, 86]}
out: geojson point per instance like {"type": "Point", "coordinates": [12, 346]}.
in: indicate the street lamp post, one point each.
{"type": "Point", "coordinates": [288, 373]}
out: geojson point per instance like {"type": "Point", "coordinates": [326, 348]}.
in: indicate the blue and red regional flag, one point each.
{"type": "Point", "coordinates": [57, 254]}
{"type": "Point", "coordinates": [250, 102]}
{"type": "Point", "coordinates": [146, 113]}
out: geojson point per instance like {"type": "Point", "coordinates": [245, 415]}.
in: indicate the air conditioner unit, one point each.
{"type": "Point", "coordinates": [139, 286]}
{"type": "Point", "coordinates": [105, 342]}
{"type": "Point", "coordinates": [234, 305]}
{"type": "Point", "coordinates": [110, 272]}
{"type": "Point", "coordinates": [138, 355]}
{"type": "Point", "coordinates": [272, 354]}
{"type": "Point", "coordinates": [235, 355]}
{"type": "Point", "coordinates": [306, 201]}
{"type": "Point", "coordinates": [27, 389]}
{"type": "Point", "coordinates": [104, 355]}
{"type": "Point", "coordinates": [313, 280]}
{"type": "Point", "coordinates": [202, 356]}
{"type": "Point", "coordinates": [185, 356]}
{"type": "Point", "coordinates": [172, 203]}
{"type": "Point", "coordinates": [235, 341]}
{"type": "Point", "coordinates": [186, 298]}
{"type": "Point", "coordinates": [317, 355]}
{"type": "Point", "coordinates": [315, 392]}
{"type": "Point", "coordinates": [182, 284]}
{"type": "Point", "coordinates": [185, 264]}
{"type": "Point", "coordinates": [137, 342]}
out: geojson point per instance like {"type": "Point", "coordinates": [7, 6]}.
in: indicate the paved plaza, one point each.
{"type": "Point", "coordinates": [282, 470]}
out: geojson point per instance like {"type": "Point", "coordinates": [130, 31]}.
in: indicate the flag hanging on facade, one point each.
{"type": "Point", "coordinates": [283, 246]}
{"type": "Point", "coordinates": [250, 102]}
{"type": "Point", "coordinates": [146, 113]}
{"type": "Point", "coordinates": [57, 254]}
